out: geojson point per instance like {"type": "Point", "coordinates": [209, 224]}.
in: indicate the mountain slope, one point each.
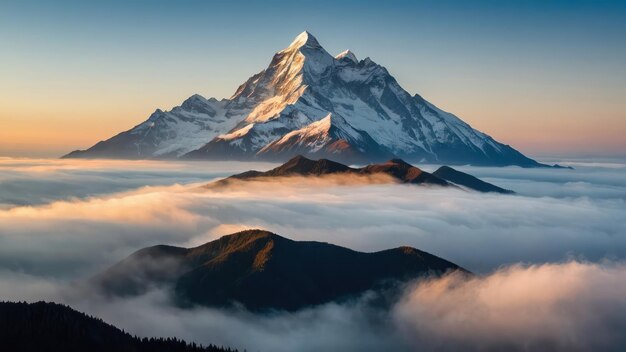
{"type": "Point", "coordinates": [262, 271]}
{"type": "Point", "coordinates": [45, 326]}
{"type": "Point", "coordinates": [309, 102]}
{"type": "Point", "coordinates": [466, 180]}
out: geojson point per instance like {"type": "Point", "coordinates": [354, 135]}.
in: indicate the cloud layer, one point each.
{"type": "Point", "coordinates": [460, 226]}
{"type": "Point", "coordinates": [63, 221]}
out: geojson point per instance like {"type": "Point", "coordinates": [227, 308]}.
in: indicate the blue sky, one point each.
{"type": "Point", "coordinates": [515, 69]}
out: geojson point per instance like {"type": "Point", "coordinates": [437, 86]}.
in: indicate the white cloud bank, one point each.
{"type": "Point", "coordinates": [552, 307]}
{"type": "Point", "coordinates": [477, 231]}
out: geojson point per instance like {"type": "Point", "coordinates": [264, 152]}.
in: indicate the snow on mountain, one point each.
{"type": "Point", "coordinates": [309, 102]}
{"type": "Point", "coordinates": [331, 137]}
{"type": "Point", "coordinates": [173, 133]}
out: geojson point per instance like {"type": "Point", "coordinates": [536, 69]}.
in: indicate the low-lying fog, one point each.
{"type": "Point", "coordinates": [550, 259]}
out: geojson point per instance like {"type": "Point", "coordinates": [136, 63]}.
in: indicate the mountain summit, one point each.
{"type": "Point", "coordinates": [312, 103]}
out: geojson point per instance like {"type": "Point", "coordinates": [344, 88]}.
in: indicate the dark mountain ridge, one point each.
{"type": "Point", "coordinates": [397, 169]}
{"type": "Point", "coordinates": [263, 271]}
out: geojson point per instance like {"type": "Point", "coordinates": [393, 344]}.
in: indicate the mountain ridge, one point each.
{"type": "Point", "coordinates": [399, 170]}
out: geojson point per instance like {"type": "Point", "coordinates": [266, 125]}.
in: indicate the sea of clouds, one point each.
{"type": "Point", "coordinates": [549, 260]}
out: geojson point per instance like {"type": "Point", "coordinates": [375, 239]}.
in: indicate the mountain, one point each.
{"type": "Point", "coordinates": [309, 102]}
{"type": "Point", "coordinates": [466, 180]}
{"type": "Point", "coordinates": [263, 271]}
{"type": "Point", "coordinates": [399, 170]}
{"type": "Point", "coordinates": [42, 326]}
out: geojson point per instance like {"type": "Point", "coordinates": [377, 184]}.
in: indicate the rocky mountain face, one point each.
{"type": "Point", "coordinates": [263, 271]}
{"type": "Point", "coordinates": [309, 102]}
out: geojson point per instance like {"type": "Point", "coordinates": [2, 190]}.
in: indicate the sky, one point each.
{"type": "Point", "coordinates": [547, 77]}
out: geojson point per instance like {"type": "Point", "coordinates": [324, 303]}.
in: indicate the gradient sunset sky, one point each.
{"type": "Point", "coordinates": [547, 77]}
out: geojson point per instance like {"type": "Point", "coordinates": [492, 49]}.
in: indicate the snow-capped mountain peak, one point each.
{"type": "Point", "coordinates": [305, 53]}
{"type": "Point", "coordinates": [309, 102]}
{"type": "Point", "coordinates": [304, 40]}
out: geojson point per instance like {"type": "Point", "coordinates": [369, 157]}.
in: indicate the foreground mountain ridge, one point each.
{"type": "Point", "coordinates": [309, 102]}
{"type": "Point", "coordinates": [264, 271]}
{"type": "Point", "coordinates": [46, 326]}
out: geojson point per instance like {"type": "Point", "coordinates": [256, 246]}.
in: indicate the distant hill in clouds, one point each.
{"type": "Point", "coordinates": [396, 169]}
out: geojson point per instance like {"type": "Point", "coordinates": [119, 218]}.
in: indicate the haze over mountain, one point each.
{"type": "Point", "coordinates": [263, 271]}
{"type": "Point", "coordinates": [309, 102]}
{"type": "Point", "coordinates": [397, 169]}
